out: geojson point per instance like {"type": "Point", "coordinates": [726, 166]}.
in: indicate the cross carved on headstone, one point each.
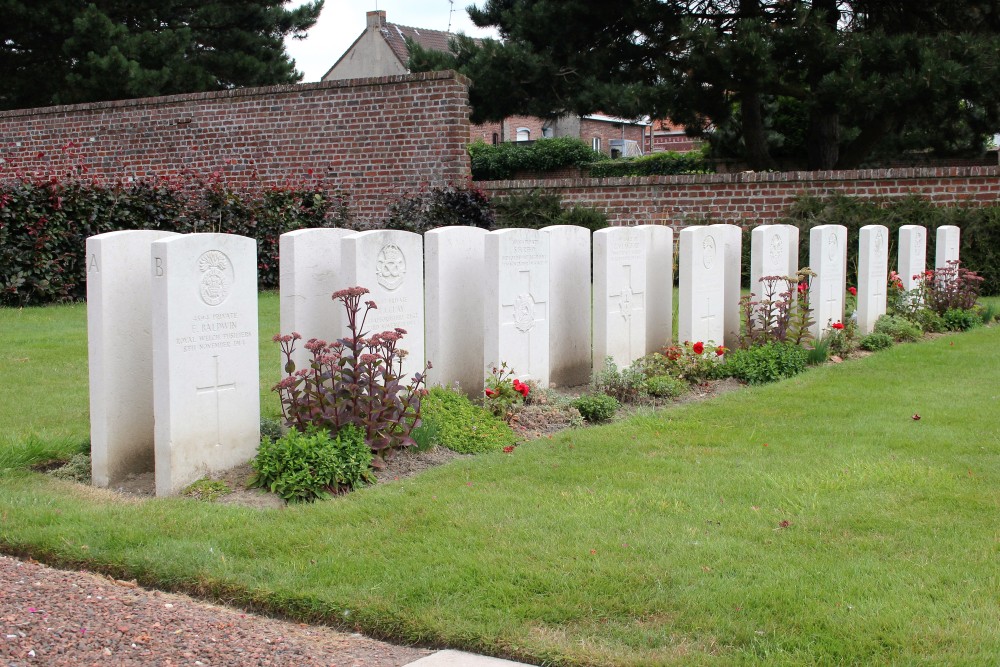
{"type": "Point", "coordinates": [707, 319]}
{"type": "Point", "coordinates": [215, 389]}
{"type": "Point", "coordinates": [514, 315]}
{"type": "Point", "coordinates": [833, 301]}
{"type": "Point", "coordinates": [631, 299]}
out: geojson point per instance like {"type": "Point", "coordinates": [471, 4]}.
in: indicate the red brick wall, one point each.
{"type": "Point", "coordinates": [373, 137]}
{"type": "Point", "coordinates": [607, 130]}
{"type": "Point", "coordinates": [755, 197]}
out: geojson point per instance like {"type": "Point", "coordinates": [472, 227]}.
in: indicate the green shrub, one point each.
{"type": "Point", "coordinates": [441, 207]}
{"type": "Point", "coordinates": [537, 209]}
{"type": "Point", "coordinates": [453, 421]}
{"type": "Point", "coordinates": [819, 353]}
{"type": "Point", "coordinates": [77, 469]}
{"type": "Point", "coordinates": [626, 385]}
{"type": "Point", "coordinates": [581, 216]}
{"type": "Point", "coordinates": [929, 321]}
{"type": "Point", "coordinates": [270, 429]}
{"type": "Point", "coordinates": [961, 319]}
{"type": "Point", "coordinates": [901, 329]}
{"type": "Point", "coordinates": [596, 407]}
{"type": "Point", "coordinates": [666, 386]}
{"type": "Point", "coordinates": [302, 467]}
{"type": "Point", "coordinates": [876, 341]}
{"type": "Point", "coordinates": [766, 363]}
{"type": "Point", "coordinates": [501, 161]}
{"type": "Point", "coordinates": [656, 164]}
{"type": "Point", "coordinates": [988, 312]}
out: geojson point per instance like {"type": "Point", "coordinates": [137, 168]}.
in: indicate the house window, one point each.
{"type": "Point", "coordinates": [523, 134]}
{"type": "Point", "coordinates": [595, 143]}
{"type": "Point", "coordinates": [496, 138]}
{"type": "Point", "coordinates": [548, 133]}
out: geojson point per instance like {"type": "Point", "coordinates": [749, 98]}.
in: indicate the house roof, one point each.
{"type": "Point", "coordinates": [395, 36]}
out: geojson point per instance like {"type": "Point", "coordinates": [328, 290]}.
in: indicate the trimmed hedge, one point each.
{"type": "Point", "coordinates": [501, 161]}
{"type": "Point", "coordinates": [44, 225]}
{"type": "Point", "coordinates": [656, 164]}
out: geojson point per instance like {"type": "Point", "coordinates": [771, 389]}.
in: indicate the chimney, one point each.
{"type": "Point", "coordinates": [376, 19]}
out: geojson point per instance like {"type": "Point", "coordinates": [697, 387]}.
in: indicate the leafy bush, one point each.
{"type": "Point", "coordinates": [781, 313]}
{"type": "Point", "coordinates": [626, 385]}
{"type": "Point", "coordinates": [504, 394]}
{"type": "Point", "coordinates": [655, 164]}
{"type": "Point", "coordinates": [441, 207]}
{"type": "Point", "coordinates": [819, 352]}
{"type": "Point", "coordinates": [949, 287]}
{"type": "Point", "coordinates": [901, 329]}
{"type": "Point", "coordinates": [962, 319]}
{"type": "Point", "coordinates": [501, 161]}
{"type": "Point", "coordinates": [311, 465]}
{"type": "Point", "coordinates": [453, 421]}
{"type": "Point", "coordinates": [537, 209]}
{"type": "Point", "coordinates": [876, 341]}
{"type": "Point", "coordinates": [665, 386]}
{"type": "Point", "coordinates": [928, 320]}
{"type": "Point", "coordinates": [692, 362]}
{"type": "Point", "coordinates": [596, 407]}
{"type": "Point", "coordinates": [766, 363]}
{"type": "Point", "coordinates": [270, 429]}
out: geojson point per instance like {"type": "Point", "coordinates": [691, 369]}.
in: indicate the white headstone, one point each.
{"type": "Point", "coordinates": [453, 261]}
{"type": "Point", "coordinates": [774, 251]}
{"type": "Point", "coordinates": [702, 285]}
{"type": "Point", "coordinates": [120, 353]}
{"type": "Point", "coordinates": [206, 380]}
{"type": "Point", "coordinates": [309, 275]}
{"type": "Point", "coordinates": [828, 259]}
{"type": "Point", "coordinates": [570, 297]}
{"type": "Point", "coordinates": [659, 287]}
{"type": "Point", "coordinates": [390, 263]}
{"type": "Point", "coordinates": [873, 275]}
{"type": "Point", "coordinates": [620, 256]}
{"type": "Point", "coordinates": [946, 248]}
{"type": "Point", "coordinates": [517, 303]}
{"type": "Point", "coordinates": [912, 254]}
{"type": "Point", "coordinates": [732, 239]}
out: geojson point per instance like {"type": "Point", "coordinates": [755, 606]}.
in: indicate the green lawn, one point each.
{"type": "Point", "coordinates": [809, 522]}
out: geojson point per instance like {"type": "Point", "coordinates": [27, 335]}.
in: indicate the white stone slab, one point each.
{"type": "Point", "coordinates": [873, 275]}
{"type": "Point", "coordinates": [309, 274]}
{"type": "Point", "coordinates": [732, 238]}
{"type": "Point", "coordinates": [620, 256]}
{"type": "Point", "coordinates": [390, 263]}
{"type": "Point", "coordinates": [120, 353]}
{"type": "Point", "coordinates": [570, 296]}
{"type": "Point", "coordinates": [517, 303]}
{"type": "Point", "coordinates": [912, 254]}
{"type": "Point", "coordinates": [702, 286]}
{"type": "Point", "coordinates": [774, 251]}
{"type": "Point", "coordinates": [659, 287]}
{"type": "Point", "coordinates": [946, 248]}
{"type": "Point", "coordinates": [828, 258]}
{"type": "Point", "coordinates": [206, 379]}
{"type": "Point", "coordinates": [453, 262]}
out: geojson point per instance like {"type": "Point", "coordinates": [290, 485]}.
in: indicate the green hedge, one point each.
{"type": "Point", "coordinates": [44, 225]}
{"type": "Point", "coordinates": [655, 164]}
{"type": "Point", "coordinates": [501, 161]}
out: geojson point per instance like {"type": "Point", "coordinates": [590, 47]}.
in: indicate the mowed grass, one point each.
{"type": "Point", "coordinates": [810, 522]}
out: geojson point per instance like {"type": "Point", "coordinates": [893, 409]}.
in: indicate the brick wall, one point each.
{"type": "Point", "coordinates": [752, 197]}
{"type": "Point", "coordinates": [373, 137]}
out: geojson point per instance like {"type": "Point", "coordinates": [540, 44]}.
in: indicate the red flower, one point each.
{"type": "Point", "coordinates": [508, 449]}
{"type": "Point", "coordinates": [837, 325]}
{"type": "Point", "coordinates": [853, 291]}
{"type": "Point", "coordinates": [803, 288]}
{"type": "Point", "coordinates": [698, 347]}
{"type": "Point", "coordinates": [521, 388]}
{"type": "Point", "coordinates": [490, 393]}
{"type": "Point", "coordinates": [719, 351]}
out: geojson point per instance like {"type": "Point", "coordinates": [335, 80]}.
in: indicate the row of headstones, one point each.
{"type": "Point", "coordinates": [173, 336]}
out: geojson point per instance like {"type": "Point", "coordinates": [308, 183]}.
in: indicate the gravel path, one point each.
{"type": "Point", "coordinates": [52, 617]}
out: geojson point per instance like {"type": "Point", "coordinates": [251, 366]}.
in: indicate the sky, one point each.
{"type": "Point", "coordinates": [342, 21]}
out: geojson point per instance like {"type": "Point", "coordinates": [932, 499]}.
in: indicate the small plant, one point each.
{"type": "Point", "coordinates": [961, 319]}
{"type": "Point", "coordinates": [928, 321]}
{"type": "Point", "coordinates": [988, 312]}
{"type": "Point", "coordinates": [77, 469]}
{"type": "Point", "coordinates": [842, 337]}
{"type": "Point", "coordinates": [950, 287]}
{"type": "Point", "coordinates": [355, 381]}
{"type": "Point", "coordinates": [876, 341]}
{"type": "Point", "coordinates": [901, 329]}
{"type": "Point", "coordinates": [312, 465]}
{"type": "Point", "coordinates": [451, 420]}
{"type": "Point", "coordinates": [596, 407]}
{"type": "Point", "coordinates": [208, 490]}
{"type": "Point", "coordinates": [781, 314]}
{"type": "Point", "coordinates": [270, 428]}
{"type": "Point", "coordinates": [665, 386]}
{"type": "Point", "coordinates": [692, 362]}
{"type": "Point", "coordinates": [625, 386]}
{"type": "Point", "coordinates": [766, 363]}
{"type": "Point", "coordinates": [819, 353]}
{"type": "Point", "coordinates": [504, 393]}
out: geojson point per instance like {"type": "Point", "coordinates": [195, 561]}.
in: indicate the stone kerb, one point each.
{"type": "Point", "coordinates": [620, 255]}
{"type": "Point", "coordinates": [946, 248]}
{"type": "Point", "coordinates": [732, 244]}
{"type": "Point", "coordinates": [659, 286]}
{"type": "Point", "coordinates": [912, 254]}
{"type": "Point", "coordinates": [309, 274]}
{"type": "Point", "coordinates": [206, 380]}
{"type": "Point", "coordinates": [570, 296]}
{"type": "Point", "coordinates": [701, 286]}
{"type": "Point", "coordinates": [517, 303]}
{"type": "Point", "coordinates": [828, 258]}
{"type": "Point", "coordinates": [390, 263]}
{"type": "Point", "coordinates": [873, 275]}
{"type": "Point", "coordinates": [120, 353]}
{"type": "Point", "coordinates": [453, 261]}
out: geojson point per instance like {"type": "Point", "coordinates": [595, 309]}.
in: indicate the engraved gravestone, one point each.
{"type": "Point", "coordinates": [946, 248]}
{"type": "Point", "coordinates": [390, 263]}
{"type": "Point", "coordinates": [453, 261]}
{"type": "Point", "coordinates": [206, 383]}
{"type": "Point", "coordinates": [732, 244]}
{"type": "Point", "coordinates": [828, 258]}
{"type": "Point", "coordinates": [701, 286]}
{"type": "Point", "coordinates": [309, 274]}
{"type": "Point", "coordinates": [774, 251]}
{"type": "Point", "coordinates": [873, 275]}
{"type": "Point", "coordinates": [569, 314]}
{"type": "Point", "coordinates": [912, 254]}
{"type": "Point", "coordinates": [659, 286]}
{"type": "Point", "coordinates": [119, 301]}
{"type": "Point", "coordinates": [517, 303]}
{"type": "Point", "coordinates": [620, 255]}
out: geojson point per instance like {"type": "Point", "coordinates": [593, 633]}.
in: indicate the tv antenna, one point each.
{"type": "Point", "coordinates": [451, 11]}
